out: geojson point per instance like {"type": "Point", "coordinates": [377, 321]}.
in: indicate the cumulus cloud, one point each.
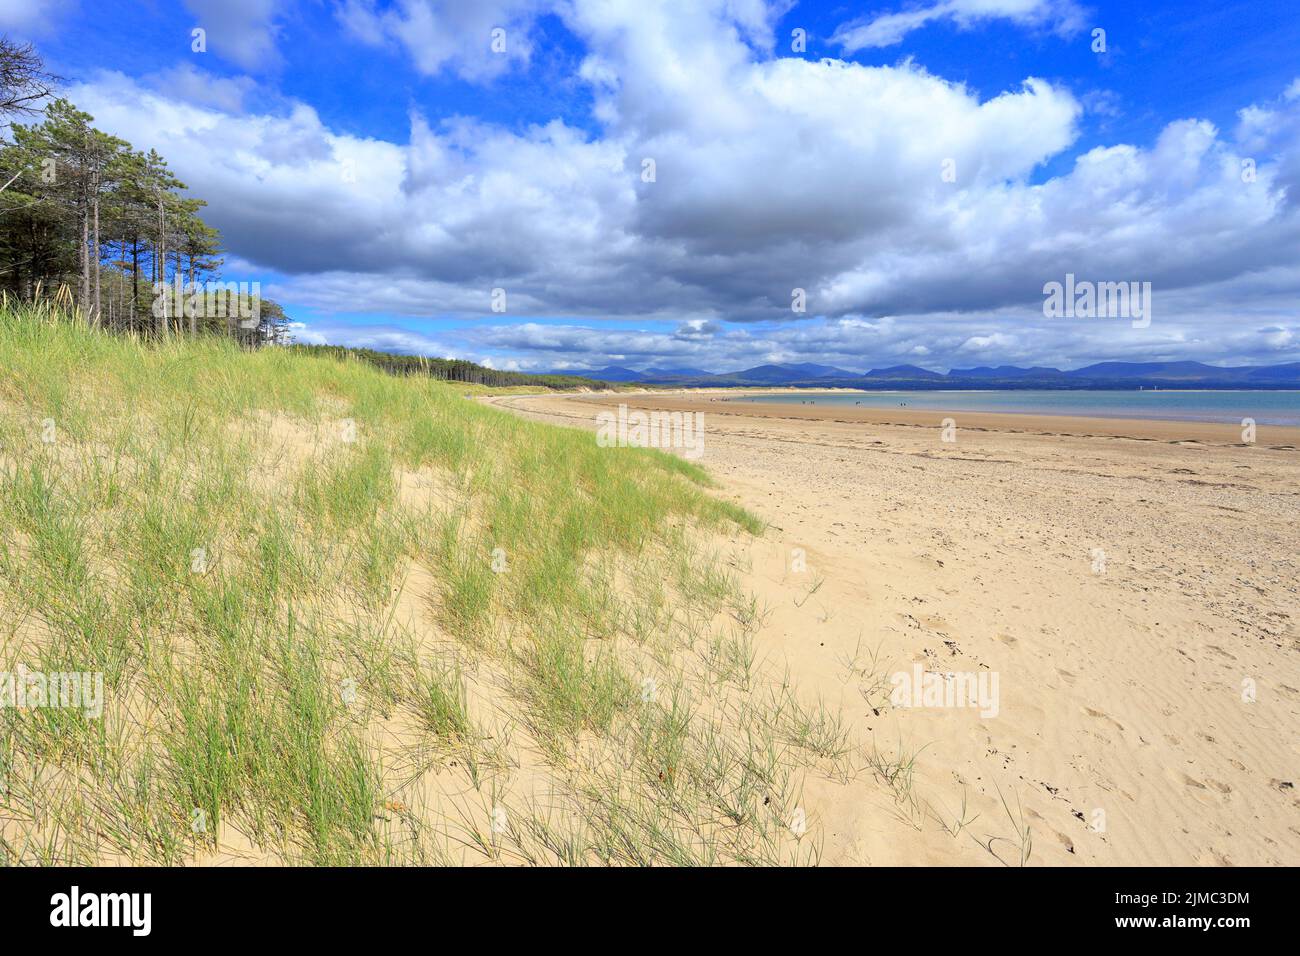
{"type": "Point", "coordinates": [27, 18]}
{"type": "Point", "coordinates": [189, 83]}
{"type": "Point", "coordinates": [912, 211]}
{"type": "Point", "coordinates": [476, 39]}
{"type": "Point", "coordinates": [381, 338]}
{"type": "Point", "coordinates": [889, 29]}
{"type": "Point", "coordinates": [241, 31]}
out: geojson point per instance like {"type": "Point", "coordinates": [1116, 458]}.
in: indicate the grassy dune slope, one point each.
{"type": "Point", "coordinates": [344, 617]}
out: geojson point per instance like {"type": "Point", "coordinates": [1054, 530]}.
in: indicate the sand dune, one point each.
{"type": "Point", "coordinates": [1132, 585]}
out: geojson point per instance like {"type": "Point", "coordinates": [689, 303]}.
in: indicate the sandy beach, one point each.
{"type": "Point", "coordinates": [1132, 585]}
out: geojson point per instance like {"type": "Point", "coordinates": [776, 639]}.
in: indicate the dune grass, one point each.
{"type": "Point", "coordinates": [289, 571]}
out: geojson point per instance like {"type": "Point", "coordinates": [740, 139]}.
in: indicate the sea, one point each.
{"type": "Point", "coordinates": [1264, 407]}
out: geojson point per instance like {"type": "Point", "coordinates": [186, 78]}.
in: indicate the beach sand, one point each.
{"type": "Point", "coordinates": [1132, 585]}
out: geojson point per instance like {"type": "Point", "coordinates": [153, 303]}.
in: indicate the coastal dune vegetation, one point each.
{"type": "Point", "coordinates": [346, 617]}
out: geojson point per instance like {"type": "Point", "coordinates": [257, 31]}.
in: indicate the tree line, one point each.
{"type": "Point", "coordinates": [84, 211]}
{"type": "Point", "coordinates": [448, 370]}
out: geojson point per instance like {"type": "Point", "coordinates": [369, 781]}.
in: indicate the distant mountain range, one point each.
{"type": "Point", "coordinates": [1100, 375]}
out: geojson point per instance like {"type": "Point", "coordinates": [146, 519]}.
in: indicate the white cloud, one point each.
{"type": "Point", "coordinates": [379, 338]}
{"type": "Point", "coordinates": [457, 35]}
{"type": "Point", "coordinates": [30, 18]}
{"type": "Point", "coordinates": [241, 31]}
{"type": "Point", "coordinates": [889, 29]}
{"type": "Point", "coordinates": [771, 174]}
{"type": "Point", "coordinates": [187, 82]}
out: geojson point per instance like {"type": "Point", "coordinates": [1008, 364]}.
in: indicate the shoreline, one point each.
{"type": "Point", "coordinates": [1271, 437]}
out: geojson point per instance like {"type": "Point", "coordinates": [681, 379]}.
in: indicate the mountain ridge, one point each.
{"type": "Point", "coordinates": [1096, 375]}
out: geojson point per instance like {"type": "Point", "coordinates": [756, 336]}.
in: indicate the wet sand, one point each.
{"type": "Point", "coordinates": [727, 403]}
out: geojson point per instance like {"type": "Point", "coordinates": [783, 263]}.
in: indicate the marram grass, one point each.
{"type": "Point", "coordinates": [289, 569]}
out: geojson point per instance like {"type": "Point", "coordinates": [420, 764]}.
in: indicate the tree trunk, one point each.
{"type": "Point", "coordinates": [97, 252]}
{"type": "Point", "coordinates": [135, 280]}
{"type": "Point", "coordinates": [160, 256]}
{"type": "Point", "coordinates": [83, 288]}
{"type": "Point", "coordinates": [194, 312]}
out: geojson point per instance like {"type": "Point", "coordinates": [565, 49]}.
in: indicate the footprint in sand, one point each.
{"type": "Point", "coordinates": [1213, 857]}
{"type": "Point", "coordinates": [1096, 713]}
{"type": "Point", "coordinates": [1193, 783]}
{"type": "Point", "coordinates": [1065, 841]}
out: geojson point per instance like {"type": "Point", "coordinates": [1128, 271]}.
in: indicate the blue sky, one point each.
{"type": "Point", "coordinates": [380, 169]}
